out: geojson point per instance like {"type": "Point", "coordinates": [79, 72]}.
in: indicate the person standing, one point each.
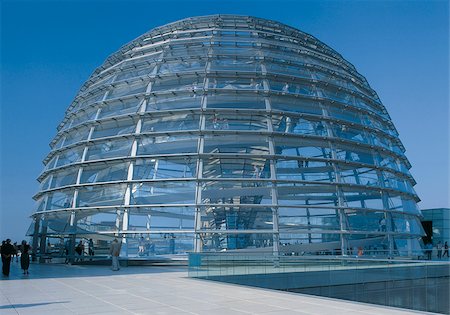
{"type": "Point", "coordinates": [91, 247]}
{"type": "Point", "coordinates": [25, 257]}
{"type": "Point", "coordinates": [445, 249]}
{"type": "Point", "coordinates": [7, 252]}
{"type": "Point", "coordinates": [439, 249]}
{"type": "Point", "coordinates": [429, 250]}
{"type": "Point", "coordinates": [79, 249]}
{"type": "Point", "coordinates": [16, 252]}
{"type": "Point", "coordinates": [115, 252]}
{"type": "Point", "coordinates": [141, 246]}
{"type": "Point", "coordinates": [1, 246]}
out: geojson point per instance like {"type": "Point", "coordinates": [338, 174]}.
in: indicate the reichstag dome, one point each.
{"type": "Point", "coordinates": [224, 133]}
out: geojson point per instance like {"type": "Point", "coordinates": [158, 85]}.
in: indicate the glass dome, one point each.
{"type": "Point", "coordinates": [223, 133]}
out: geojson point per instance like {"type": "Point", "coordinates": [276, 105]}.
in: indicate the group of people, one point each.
{"type": "Point", "coordinates": [9, 251]}
{"type": "Point", "coordinates": [442, 250]}
{"type": "Point", "coordinates": [81, 247]}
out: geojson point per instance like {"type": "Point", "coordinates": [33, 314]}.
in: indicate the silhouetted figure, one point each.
{"type": "Point", "coordinates": [429, 250]}
{"type": "Point", "coordinates": [79, 250]}
{"type": "Point", "coordinates": [25, 257]}
{"type": "Point", "coordinates": [439, 249]}
{"type": "Point", "coordinates": [7, 252]}
{"type": "Point", "coordinates": [141, 246]}
{"type": "Point", "coordinates": [91, 247]}
{"type": "Point", "coordinates": [16, 252]}
{"type": "Point", "coordinates": [445, 249]}
{"type": "Point", "coordinates": [115, 252]}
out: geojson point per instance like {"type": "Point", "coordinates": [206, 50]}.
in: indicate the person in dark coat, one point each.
{"type": "Point", "coordinates": [25, 257]}
{"type": "Point", "coordinates": [79, 249]}
{"type": "Point", "coordinates": [7, 252]}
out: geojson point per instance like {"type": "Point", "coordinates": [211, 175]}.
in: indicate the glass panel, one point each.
{"type": "Point", "coordinates": [101, 195]}
{"type": "Point", "coordinates": [186, 83]}
{"type": "Point", "coordinates": [360, 176]}
{"type": "Point", "coordinates": [295, 105]}
{"type": "Point", "coordinates": [101, 81]}
{"type": "Point", "coordinates": [90, 98]}
{"type": "Point", "coordinates": [236, 144]}
{"type": "Point", "coordinates": [256, 168]}
{"type": "Point", "coordinates": [142, 61]}
{"type": "Point", "coordinates": [237, 217]}
{"type": "Point", "coordinates": [225, 242]}
{"type": "Point", "coordinates": [222, 100]}
{"type": "Point", "coordinates": [306, 194]}
{"type": "Point", "coordinates": [235, 64]}
{"type": "Point", "coordinates": [104, 173]}
{"type": "Point", "coordinates": [182, 66]}
{"type": "Point", "coordinates": [407, 224]}
{"type": "Point", "coordinates": [163, 193]}
{"type": "Point", "coordinates": [123, 89]}
{"type": "Point", "coordinates": [305, 170]}
{"type": "Point", "coordinates": [389, 162]}
{"type": "Point", "coordinates": [83, 116]}
{"type": "Point", "coordinates": [295, 125]}
{"type": "Point", "coordinates": [76, 136]}
{"type": "Point", "coordinates": [141, 70]}
{"type": "Point", "coordinates": [292, 219]}
{"type": "Point", "coordinates": [344, 114]}
{"type": "Point", "coordinates": [109, 149]}
{"type": "Point", "coordinates": [160, 168]}
{"type": "Point", "coordinates": [70, 156]}
{"type": "Point", "coordinates": [352, 154]}
{"type": "Point", "coordinates": [120, 107]}
{"type": "Point", "coordinates": [337, 95]}
{"type": "Point", "coordinates": [114, 128]}
{"type": "Point", "coordinates": [168, 102]}
{"type": "Point", "coordinates": [45, 183]}
{"type": "Point", "coordinates": [293, 88]}
{"type": "Point", "coordinates": [288, 69]}
{"type": "Point", "coordinates": [236, 83]}
{"type": "Point", "coordinates": [188, 48]}
{"type": "Point", "coordinates": [305, 148]}
{"type": "Point", "coordinates": [235, 192]}
{"type": "Point", "coordinates": [235, 121]}
{"type": "Point", "coordinates": [64, 178]}
{"type": "Point", "coordinates": [366, 221]}
{"type": "Point", "coordinates": [174, 122]}
{"type": "Point", "coordinates": [51, 164]}
{"type": "Point", "coordinates": [40, 204]}
{"type": "Point", "coordinates": [349, 133]}
{"type": "Point", "coordinates": [167, 145]}
{"type": "Point", "coordinates": [60, 199]}
{"type": "Point", "coordinates": [362, 198]}
{"type": "Point", "coordinates": [59, 143]}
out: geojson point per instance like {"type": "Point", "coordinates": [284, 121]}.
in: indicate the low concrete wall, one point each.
{"type": "Point", "coordinates": [419, 287]}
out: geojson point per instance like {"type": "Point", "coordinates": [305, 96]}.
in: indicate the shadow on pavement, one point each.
{"type": "Point", "coordinates": [11, 306]}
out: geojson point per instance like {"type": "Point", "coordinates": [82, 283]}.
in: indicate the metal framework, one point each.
{"type": "Point", "coordinates": [224, 133]}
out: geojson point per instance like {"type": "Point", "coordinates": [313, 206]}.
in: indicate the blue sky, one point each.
{"type": "Point", "coordinates": [49, 48]}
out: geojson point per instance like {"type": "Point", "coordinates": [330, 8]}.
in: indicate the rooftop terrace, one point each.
{"type": "Point", "coordinates": [65, 289]}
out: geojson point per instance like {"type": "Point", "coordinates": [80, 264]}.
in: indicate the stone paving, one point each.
{"type": "Point", "coordinates": [63, 289]}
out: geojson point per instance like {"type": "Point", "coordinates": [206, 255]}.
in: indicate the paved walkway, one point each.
{"type": "Point", "coordinates": [62, 289]}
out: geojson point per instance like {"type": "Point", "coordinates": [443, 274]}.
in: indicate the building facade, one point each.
{"type": "Point", "coordinates": [224, 133]}
{"type": "Point", "coordinates": [436, 223]}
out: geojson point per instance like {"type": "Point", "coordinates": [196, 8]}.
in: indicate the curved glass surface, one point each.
{"type": "Point", "coordinates": [230, 132]}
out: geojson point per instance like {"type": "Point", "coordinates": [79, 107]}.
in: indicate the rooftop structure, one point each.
{"type": "Point", "coordinates": [61, 289]}
{"type": "Point", "coordinates": [224, 132]}
{"type": "Point", "coordinates": [436, 223]}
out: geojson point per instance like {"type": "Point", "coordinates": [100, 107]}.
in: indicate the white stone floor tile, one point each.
{"type": "Point", "coordinates": [62, 289]}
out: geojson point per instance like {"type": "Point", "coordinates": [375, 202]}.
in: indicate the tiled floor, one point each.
{"type": "Point", "coordinates": [62, 289]}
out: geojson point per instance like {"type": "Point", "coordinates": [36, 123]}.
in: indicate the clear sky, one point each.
{"type": "Point", "coordinates": [48, 49]}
